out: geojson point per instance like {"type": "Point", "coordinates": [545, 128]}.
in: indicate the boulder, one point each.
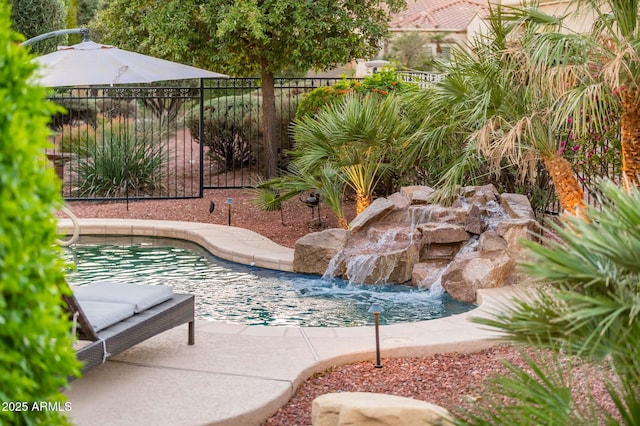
{"type": "Point", "coordinates": [425, 274]}
{"type": "Point", "coordinates": [439, 251]}
{"type": "Point", "coordinates": [479, 195]}
{"type": "Point", "coordinates": [442, 214]}
{"type": "Point", "coordinates": [313, 252]}
{"type": "Point", "coordinates": [472, 271]}
{"type": "Point", "coordinates": [389, 233]}
{"type": "Point", "coordinates": [473, 222]}
{"type": "Point", "coordinates": [405, 238]}
{"type": "Point", "coordinates": [381, 268]}
{"type": "Point", "coordinates": [442, 233]}
{"type": "Point", "coordinates": [491, 242]}
{"type": "Point", "coordinates": [375, 212]}
{"type": "Point", "coordinates": [517, 206]}
{"type": "Point", "coordinates": [400, 200]}
{"type": "Point", "coordinates": [515, 230]}
{"type": "Point", "coordinates": [362, 408]}
{"type": "Point", "coordinates": [418, 194]}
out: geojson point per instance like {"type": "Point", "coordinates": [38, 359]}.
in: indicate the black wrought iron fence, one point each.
{"type": "Point", "coordinates": [116, 143]}
{"type": "Point", "coordinates": [232, 127]}
{"type": "Point", "coordinates": [126, 142]}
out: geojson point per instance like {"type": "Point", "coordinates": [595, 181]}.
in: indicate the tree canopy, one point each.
{"type": "Point", "coordinates": [33, 18]}
{"type": "Point", "coordinates": [245, 36]}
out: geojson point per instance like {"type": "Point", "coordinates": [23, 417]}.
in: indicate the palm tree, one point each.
{"type": "Point", "coordinates": [353, 142]}
{"type": "Point", "coordinates": [494, 107]}
{"type": "Point", "coordinates": [603, 69]}
{"type": "Point", "coordinates": [589, 307]}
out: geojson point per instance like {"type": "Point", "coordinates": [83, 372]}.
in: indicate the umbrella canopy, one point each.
{"type": "Point", "coordinates": [89, 63]}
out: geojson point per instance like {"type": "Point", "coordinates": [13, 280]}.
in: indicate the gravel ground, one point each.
{"type": "Point", "coordinates": [449, 380]}
{"type": "Point", "coordinates": [284, 226]}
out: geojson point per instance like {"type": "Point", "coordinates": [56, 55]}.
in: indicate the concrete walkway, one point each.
{"type": "Point", "coordinates": [241, 375]}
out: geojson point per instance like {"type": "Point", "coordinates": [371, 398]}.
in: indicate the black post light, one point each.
{"type": "Point", "coordinates": [376, 310]}
{"type": "Point", "coordinates": [228, 202]}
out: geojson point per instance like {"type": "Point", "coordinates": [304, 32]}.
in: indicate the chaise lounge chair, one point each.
{"type": "Point", "coordinates": [116, 316]}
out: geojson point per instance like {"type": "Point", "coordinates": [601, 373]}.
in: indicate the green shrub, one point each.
{"type": "Point", "coordinates": [124, 160]}
{"type": "Point", "coordinates": [77, 139]}
{"type": "Point", "coordinates": [317, 98]}
{"type": "Point", "coordinates": [224, 131]}
{"type": "Point", "coordinates": [36, 352]}
{"type": "Point", "coordinates": [35, 17]}
{"type": "Point", "coordinates": [286, 107]}
{"type": "Point", "coordinates": [380, 84]}
{"type": "Point", "coordinates": [75, 109]}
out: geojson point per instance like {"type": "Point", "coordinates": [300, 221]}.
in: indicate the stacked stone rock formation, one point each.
{"type": "Point", "coordinates": [405, 238]}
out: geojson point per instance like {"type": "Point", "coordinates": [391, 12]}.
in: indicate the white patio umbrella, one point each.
{"type": "Point", "coordinates": [89, 63]}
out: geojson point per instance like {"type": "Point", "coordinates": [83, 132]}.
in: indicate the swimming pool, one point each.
{"type": "Point", "coordinates": [227, 291]}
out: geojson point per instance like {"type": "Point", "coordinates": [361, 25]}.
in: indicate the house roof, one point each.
{"type": "Point", "coordinates": [438, 14]}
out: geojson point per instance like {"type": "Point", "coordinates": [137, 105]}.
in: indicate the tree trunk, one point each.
{"type": "Point", "coordinates": [567, 188]}
{"type": "Point", "coordinates": [362, 202]}
{"type": "Point", "coordinates": [631, 136]}
{"type": "Point", "coordinates": [342, 222]}
{"type": "Point", "coordinates": [269, 142]}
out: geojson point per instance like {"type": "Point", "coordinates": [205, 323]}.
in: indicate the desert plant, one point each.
{"type": "Point", "coordinates": [588, 307]}
{"type": "Point", "coordinates": [233, 127]}
{"type": "Point", "coordinates": [36, 347]}
{"type": "Point", "coordinates": [602, 65]}
{"type": "Point", "coordinates": [357, 137]}
{"type": "Point", "coordinates": [224, 131]}
{"type": "Point", "coordinates": [77, 139]}
{"type": "Point", "coordinates": [124, 160]}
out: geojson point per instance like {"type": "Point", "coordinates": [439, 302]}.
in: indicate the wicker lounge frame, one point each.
{"type": "Point", "coordinates": [115, 339]}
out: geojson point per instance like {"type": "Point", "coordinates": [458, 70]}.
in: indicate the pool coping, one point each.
{"type": "Point", "coordinates": [227, 242]}
{"type": "Point", "coordinates": [246, 372]}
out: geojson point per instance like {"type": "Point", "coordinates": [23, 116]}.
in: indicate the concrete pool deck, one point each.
{"type": "Point", "coordinates": [236, 374]}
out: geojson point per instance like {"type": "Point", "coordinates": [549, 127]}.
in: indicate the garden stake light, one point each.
{"type": "Point", "coordinates": [228, 202]}
{"type": "Point", "coordinates": [376, 310]}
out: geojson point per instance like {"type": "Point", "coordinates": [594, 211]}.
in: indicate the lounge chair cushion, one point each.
{"type": "Point", "coordinates": [104, 314]}
{"type": "Point", "coordinates": [141, 296]}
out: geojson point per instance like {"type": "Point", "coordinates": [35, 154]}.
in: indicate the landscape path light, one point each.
{"type": "Point", "coordinates": [228, 202]}
{"type": "Point", "coordinates": [376, 309]}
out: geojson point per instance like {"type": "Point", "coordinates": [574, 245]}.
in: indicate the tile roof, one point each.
{"type": "Point", "coordinates": [438, 14]}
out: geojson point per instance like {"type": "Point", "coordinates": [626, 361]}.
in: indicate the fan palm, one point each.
{"type": "Point", "coordinates": [492, 104]}
{"type": "Point", "coordinates": [353, 142]}
{"type": "Point", "coordinates": [271, 193]}
{"type": "Point", "coordinates": [602, 68]}
{"type": "Point", "coordinates": [590, 306]}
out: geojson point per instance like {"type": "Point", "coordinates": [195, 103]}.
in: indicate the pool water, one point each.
{"type": "Point", "coordinates": [235, 293]}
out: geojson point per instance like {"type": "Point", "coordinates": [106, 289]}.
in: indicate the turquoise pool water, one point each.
{"type": "Point", "coordinates": [227, 291]}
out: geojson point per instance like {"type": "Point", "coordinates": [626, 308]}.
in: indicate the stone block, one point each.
{"type": "Point", "coordinates": [439, 251]}
{"type": "Point", "coordinates": [442, 233]}
{"type": "Point", "coordinates": [362, 408]}
{"type": "Point", "coordinates": [375, 212]}
{"type": "Point", "coordinates": [418, 194]}
{"type": "Point", "coordinates": [517, 206]}
{"type": "Point", "coordinates": [472, 271]}
{"type": "Point", "coordinates": [425, 274]}
{"type": "Point", "coordinates": [313, 252]}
